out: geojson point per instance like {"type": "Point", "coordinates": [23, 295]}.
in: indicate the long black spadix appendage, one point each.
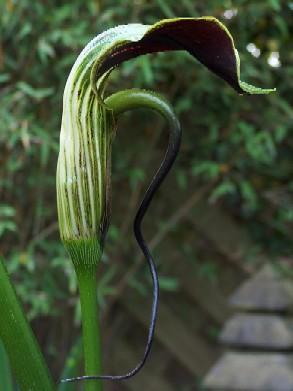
{"type": "Point", "coordinates": [119, 103]}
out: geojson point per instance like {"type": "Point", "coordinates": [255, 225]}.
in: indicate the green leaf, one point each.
{"type": "Point", "coordinates": [136, 175]}
{"type": "Point", "coordinates": [168, 283]}
{"type": "Point", "coordinates": [225, 188]}
{"type": "Point", "coordinates": [45, 50]}
{"type": "Point", "coordinates": [208, 169]}
{"type": "Point", "coordinates": [275, 4]}
{"type": "Point", "coordinates": [249, 195]}
{"type": "Point", "coordinates": [6, 223]}
{"type": "Point", "coordinates": [182, 180]}
{"type": "Point", "coordinates": [147, 70]}
{"type": "Point", "coordinates": [208, 270]}
{"type": "Point", "coordinates": [36, 93]}
{"type": "Point", "coordinates": [166, 9]}
{"type": "Point", "coordinates": [6, 383]}
{"type": "Point", "coordinates": [6, 211]}
{"type": "Point", "coordinates": [4, 77]}
{"type": "Point", "coordinates": [71, 365]}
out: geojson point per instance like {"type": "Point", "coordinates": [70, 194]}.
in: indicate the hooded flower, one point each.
{"type": "Point", "coordinates": [88, 126]}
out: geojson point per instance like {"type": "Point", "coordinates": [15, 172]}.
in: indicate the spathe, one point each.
{"type": "Point", "coordinates": [205, 38]}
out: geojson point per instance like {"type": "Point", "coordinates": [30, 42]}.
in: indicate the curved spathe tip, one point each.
{"type": "Point", "coordinates": [205, 38]}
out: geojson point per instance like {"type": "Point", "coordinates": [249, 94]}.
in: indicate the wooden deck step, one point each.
{"type": "Point", "coordinates": [266, 291]}
{"type": "Point", "coordinates": [251, 372]}
{"type": "Point", "coordinates": [258, 331]}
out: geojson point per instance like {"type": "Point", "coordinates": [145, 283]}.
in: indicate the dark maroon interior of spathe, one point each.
{"type": "Point", "coordinates": [203, 39]}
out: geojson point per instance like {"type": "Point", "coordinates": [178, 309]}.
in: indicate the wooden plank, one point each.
{"type": "Point", "coordinates": [226, 235]}
{"type": "Point", "coordinates": [193, 315]}
{"type": "Point", "coordinates": [259, 331]}
{"type": "Point", "coordinates": [210, 295]}
{"type": "Point", "coordinates": [123, 348]}
{"type": "Point", "coordinates": [111, 386]}
{"type": "Point", "coordinates": [265, 291]}
{"type": "Point", "coordinates": [251, 372]}
{"type": "Point", "coordinates": [148, 379]}
{"type": "Point", "coordinates": [187, 347]}
{"type": "Point", "coordinates": [206, 293]}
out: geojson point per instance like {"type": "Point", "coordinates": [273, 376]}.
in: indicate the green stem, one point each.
{"type": "Point", "coordinates": [87, 282]}
{"type": "Point", "coordinates": [25, 357]}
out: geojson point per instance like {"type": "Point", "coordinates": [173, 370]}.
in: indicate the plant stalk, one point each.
{"type": "Point", "coordinates": [21, 346]}
{"type": "Point", "coordinates": [87, 283]}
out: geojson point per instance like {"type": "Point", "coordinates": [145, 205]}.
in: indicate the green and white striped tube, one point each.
{"type": "Point", "coordinates": [83, 169]}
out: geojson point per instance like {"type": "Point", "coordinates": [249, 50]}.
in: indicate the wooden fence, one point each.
{"type": "Point", "coordinates": [190, 319]}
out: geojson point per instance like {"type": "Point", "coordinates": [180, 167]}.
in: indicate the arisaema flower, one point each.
{"type": "Point", "coordinates": [89, 125]}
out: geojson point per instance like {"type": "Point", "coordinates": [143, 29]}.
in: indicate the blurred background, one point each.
{"type": "Point", "coordinates": [224, 211]}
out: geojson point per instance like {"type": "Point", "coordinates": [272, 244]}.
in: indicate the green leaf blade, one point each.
{"type": "Point", "coordinates": [5, 372]}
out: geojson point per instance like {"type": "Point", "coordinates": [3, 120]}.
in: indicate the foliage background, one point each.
{"type": "Point", "coordinates": [236, 151]}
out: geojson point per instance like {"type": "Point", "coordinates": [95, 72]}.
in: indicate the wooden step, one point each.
{"type": "Point", "coordinates": [266, 291]}
{"type": "Point", "coordinates": [251, 372]}
{"type": "Point", "coordinates": [258, 331]}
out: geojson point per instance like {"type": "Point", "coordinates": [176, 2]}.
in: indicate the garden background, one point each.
{"type": "Point", "coordinates": [224, 210]}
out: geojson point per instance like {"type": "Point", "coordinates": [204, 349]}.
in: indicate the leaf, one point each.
{"type": "Point", "coordinates": [136, 175]}
{"type": "Point", "coordinates": [168, 283]}
{"type": "Point", "coordinates": [45, 50]}
{"type": "Point", "coordinates": [182, 180]}
{"type": "Point", "coordinates": [147, 70]}
{"type": "Point", "coordinates": [71, 365]}
{"type": "Point", "coordinates": [6, 223]}
{"type": "Point", "coordinates": [4, 77]}
{"type": "Point", "coordinates": [7, 226]}
{"type": "Point", "coordinates": [209, 169]}
{"type": "Point", "coordinates": [6, 211]}
{"type": "Point", "coordinates": [165, 8]}
{"type": "Point", "coordinates": [275, 4]}
{"type": "Point", "coordinates": [226, 187]}
{"type": "Point", "coordinates": [6, 376]}
{"type": "Point", "coordinates": [36, 93]}
{"type": "Point", "coordinates": [280, 133]}
{"type": "Point", "coordinates": [248, 194]}
{"type": "Point", "coordinates": [261, 147]}
{"type": "Point", "coordinates": [208, 270]}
